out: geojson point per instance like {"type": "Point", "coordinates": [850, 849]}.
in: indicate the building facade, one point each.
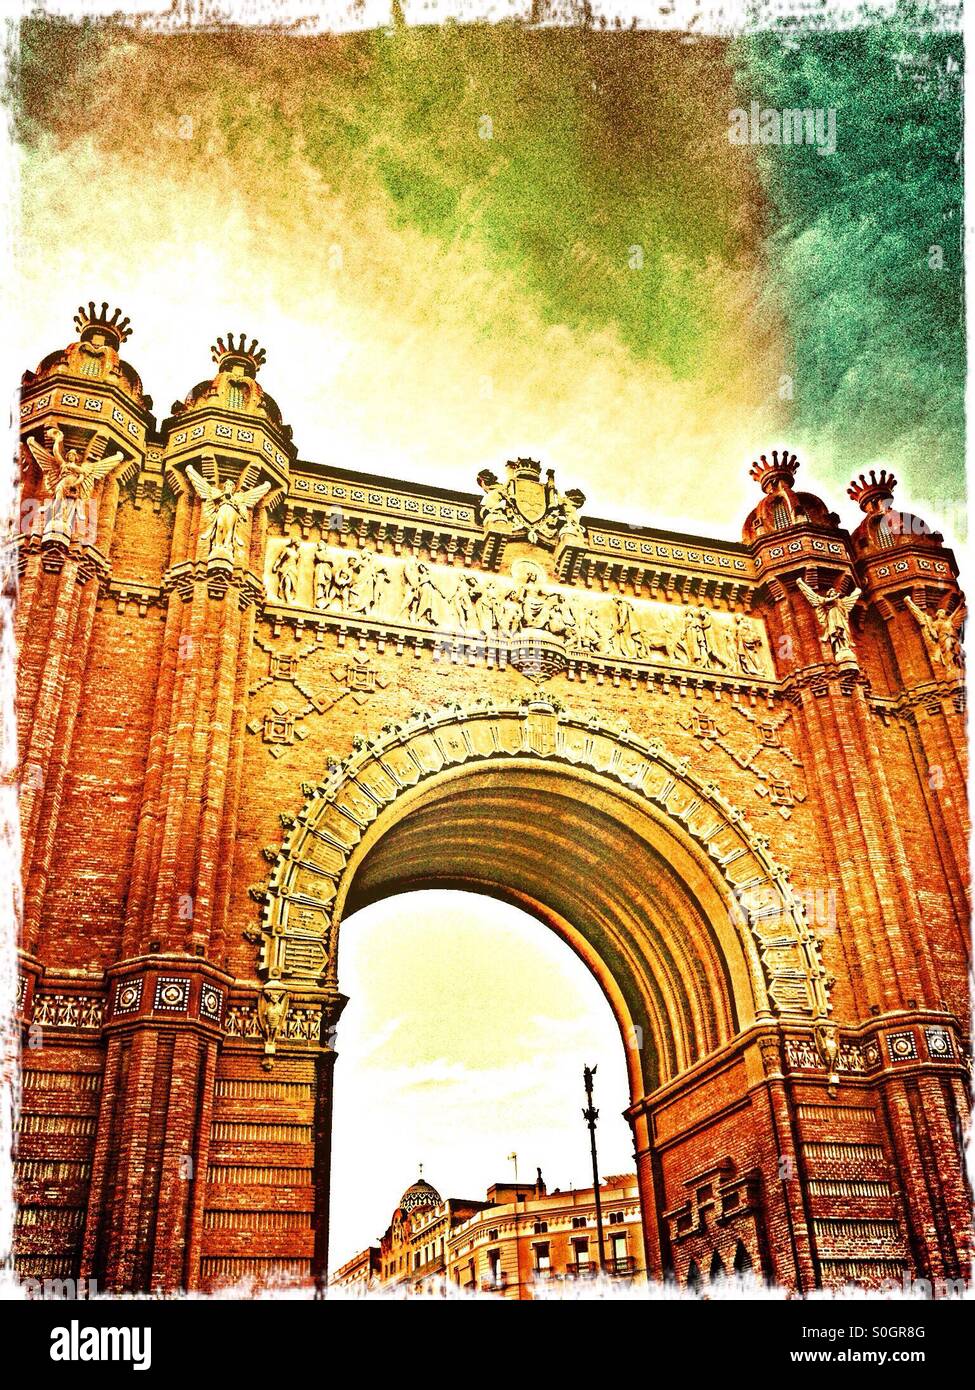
{"type": "Point", "coordinates": [527, 1240]}
{"type": "Point", "coordinates": [256, 693]}
{"type": "Point", "coordinates": [361, 1274]}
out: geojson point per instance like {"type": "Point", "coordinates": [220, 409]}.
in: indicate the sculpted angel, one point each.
{"type": "Point", "coordinates": [70, 477]}
{"type": "Point", "coordinates": [943, 633]}
{"type": "Point", "coordinates": [833, 615]}
{"type": "Point", "coordinates": [224, 509]}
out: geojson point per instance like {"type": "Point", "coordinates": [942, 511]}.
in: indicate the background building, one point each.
{"type": "Point", "coordinates": [525, 1236]}
{"type": "Point", "coordinates": [361, 1273]}
{"type": "Point", "coordinates": [520, 1236]}
{"type": "Point", "coordinates": [413, 1251]}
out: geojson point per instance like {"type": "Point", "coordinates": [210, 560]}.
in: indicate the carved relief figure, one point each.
{"type": "Point", "coordinates": [827, 1038]}
{"type": "Point", "coordinates": [474, 605]}
{"type": "Point", "coordinates": [424, 601]}
{"type": "Point", "coordinates": [71, 477]}
{"type": "Point", "coordinates": [534, 600]}
{"type": "Point", "coordinates": [943, 633]}
{"type": "Point", "coordinates": [707, 652]}
{"type": "Point", "coordinates": [687, 646]}
{"type": "Point", "coordinates": [833, 615]}
{"type": "Point", "coordinates": [285, 568]}
{"type": "Point", "coordinates": [323, 575]}
{"type": "Point", "coordinates": [366, 580]}
{"type": "Point", "coordinates": [625, 637]}
{"type": "Point", "coordinates": [491, 605]}
{"type": "Point", "coordinates": [510, 612]}
{"type": "Point", "coordinates": [225, 509]}
{"type": "Point", "coordinates": [560, 621]}
{"type": "Point", "coordinates": [748, 647]}
{"type": "Point", "coordinates": [587, 636]}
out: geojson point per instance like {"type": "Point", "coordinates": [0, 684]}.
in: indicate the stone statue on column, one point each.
{"type": "Point", "coordinates": [833, 615]}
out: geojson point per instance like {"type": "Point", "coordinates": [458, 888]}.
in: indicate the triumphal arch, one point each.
{"type": "Point", "coordinates": [256, 693]}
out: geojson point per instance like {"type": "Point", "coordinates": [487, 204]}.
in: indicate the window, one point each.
{"type": "Point", "coordinates": [541, 1227]}
{"type": "Point", "coordinates": [577, 1222]}
{"type": "Point", "coordinates": [580, 1251]}
{"type": "Point", "coordinates": [543, 1258]}
{"type": "Point", "coordinates": [494, 1268]}
{"type": "Point", "coordinates": [616, 1218]}
{"type": "Point", "coordinates": [492, 1235]}
{"type": "Point", "coordinates": [780, 515]}
{"type": "Point", "coordinates": [235, 396]}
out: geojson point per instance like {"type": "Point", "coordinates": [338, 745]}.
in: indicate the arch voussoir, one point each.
{"type": "Point", "coordinates": [344, 814]}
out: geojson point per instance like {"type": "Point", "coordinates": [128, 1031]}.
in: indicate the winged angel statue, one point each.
{"type": "Point", "coordinates": [70, 476]}
{"type": "Point", "coordinates": [833, 615]}
{"type": "Point", "coordinates": [943, 632]}
{"type": "Point", "coordinates": [225, 508]}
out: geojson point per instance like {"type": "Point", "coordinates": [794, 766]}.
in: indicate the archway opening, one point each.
{"type": "Point", "coordinates": [463, 1044]}
{"type": "Point", "coordinates": [653, 878]}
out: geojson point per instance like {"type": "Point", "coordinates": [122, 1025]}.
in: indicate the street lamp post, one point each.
{"type": "Point", "coordinates": [591, 1115]}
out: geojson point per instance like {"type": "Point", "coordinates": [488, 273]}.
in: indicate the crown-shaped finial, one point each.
{"type": "Point", "coordinates": [873, 495]}
{"type": "Point", "coordinates": [230, 353]}
{"type": "Point", "coordinates": [89, 322]}
{"type": "Point", "coordinates": [782, 469]}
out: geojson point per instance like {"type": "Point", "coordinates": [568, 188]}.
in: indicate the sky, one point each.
{"type": "Point", "coordinates": [351, 199]}
{"type": "Point", "coordinates": [464, 1039]}
{"type": "Point", "coordinates": [465, 243]}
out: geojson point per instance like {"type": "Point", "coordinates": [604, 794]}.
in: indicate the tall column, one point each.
{"type": "Point", "coordinates": [850, 644]}
{"type": "Point", "coordinates": [84, 420]}
{"type": "Point", "coordinates": [170, 994]}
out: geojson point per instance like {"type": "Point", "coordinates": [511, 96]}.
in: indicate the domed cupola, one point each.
{"type": "Point", "coordinates": [235, 386]}
{"type": "Point", "coordinates": [94, 357]}
{"type": "Point", "coordinates": [884, 527]}
{"type": "Point", "coordinates": [232, 418]}
{"type": "Point", "coordinates": [419, 1194]}
{"type": "Point", "coordinates": [781, 506]}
